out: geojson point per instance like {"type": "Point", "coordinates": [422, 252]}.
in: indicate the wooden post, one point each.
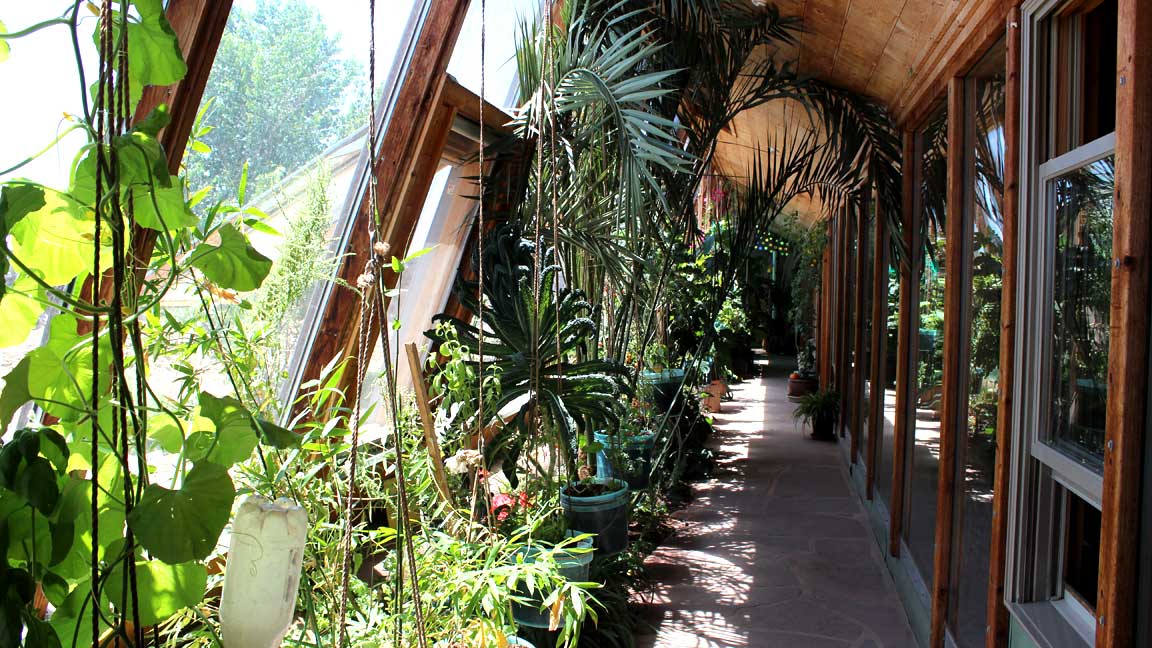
{"type": "Point", "coordinates": [879, 334]}
{"type": "Point", "coordinates": [905, 345]}
{"type": "Point", "coordinates": [955, 379]}
{"type": "Point", "coordinates": [415, 127]}
{"type": "Point", "coordinates": [997, 627]}
{"type": "Point", "coordinates": [199, 25]}
{"type": "Point", "coordinates": [857, 328]}
{"type": "Point", "coordinates": [1128, 352]}
{"type": "Point", "coordinates": [824, 344]}
{"type": "Point", "coordinates": [431, 443]}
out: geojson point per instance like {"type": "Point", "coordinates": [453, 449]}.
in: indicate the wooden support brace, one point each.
{"type": "Point", "coordinates": [431, 443]}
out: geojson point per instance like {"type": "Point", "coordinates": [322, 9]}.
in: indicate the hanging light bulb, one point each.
{"type": "Point", "coordinates": [265, 556]}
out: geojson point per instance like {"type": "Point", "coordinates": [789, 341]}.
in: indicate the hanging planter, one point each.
{"type": "Point", "coordinates": [572, 563]}
{"type": "Point", "coordinates": [627, 457]}
{"type": "Point", "coordinates": [598, 506]}
{"type": "Point", "coordinates": [265, 556]}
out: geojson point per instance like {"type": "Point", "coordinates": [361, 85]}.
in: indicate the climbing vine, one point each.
{"type": "Point", "coordinates": [111, 502]}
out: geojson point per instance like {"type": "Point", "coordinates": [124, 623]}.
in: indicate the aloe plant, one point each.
{"type": "Point", "coordinates": [538, 338]}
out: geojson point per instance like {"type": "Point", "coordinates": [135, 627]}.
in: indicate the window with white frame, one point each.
{"type": "Point", "coordinates": [1067, 180]}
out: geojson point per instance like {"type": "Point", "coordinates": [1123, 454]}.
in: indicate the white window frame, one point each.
{"type": "Point", "coordinates": [1042, 476]}
{"type": "Point", "coordinates": [1084, 481]}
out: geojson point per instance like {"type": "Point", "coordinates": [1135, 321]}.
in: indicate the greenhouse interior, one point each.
{"type": "Point", "coordinates": [575, 323]}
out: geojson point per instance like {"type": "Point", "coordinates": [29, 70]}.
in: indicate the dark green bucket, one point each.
{"type": "Point", "coordinates": [571, 565]}
{"type": "Point", "coordinates": [605, 516]}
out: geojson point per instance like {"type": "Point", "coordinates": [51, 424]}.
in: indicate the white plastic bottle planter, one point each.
{"type": "Point", "coordinates": [262, 576]}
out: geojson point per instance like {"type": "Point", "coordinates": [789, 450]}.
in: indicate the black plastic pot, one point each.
{"type": "Point", "coordinates": [824, 428]}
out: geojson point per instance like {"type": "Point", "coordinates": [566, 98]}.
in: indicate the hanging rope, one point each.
{"type": "Point", "coordinates": [555, 200]}
{"type": "Point", "coordinates": [475, 494]}
{"type": "Point", "coordinates": [364, 282]}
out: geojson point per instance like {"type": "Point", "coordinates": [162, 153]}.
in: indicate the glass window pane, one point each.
{"type": "Point", "coordinates": [929, 360]}
{"type": "Point", "coordinates": [287, 100]}
{"type": "Point", "coordinates": [984, 160]}
{"type": "Point", "coordinates": [848, 405]}
{"type": "Point", "coordinates": [1081, 290]}
{"type": "Point", "coordinates": [887, 442]}
{"type": "Point", "coordinates": [502, 34]}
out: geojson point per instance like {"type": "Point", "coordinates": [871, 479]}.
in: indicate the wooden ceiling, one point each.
{"type": "Point", "coordinates": [894, 51]}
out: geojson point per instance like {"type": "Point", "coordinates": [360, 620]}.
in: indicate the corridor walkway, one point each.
{"type": "Point", "coordinates": [774, 551]}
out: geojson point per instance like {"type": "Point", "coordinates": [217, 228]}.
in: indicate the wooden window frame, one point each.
{"type": "Point", "coordinates": [416, 128]}
{"type": "Point", "coordinates": [1115, 621]}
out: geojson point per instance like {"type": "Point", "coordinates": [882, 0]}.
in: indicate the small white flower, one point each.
{"type": "Point", "coordinates": [463, 461]}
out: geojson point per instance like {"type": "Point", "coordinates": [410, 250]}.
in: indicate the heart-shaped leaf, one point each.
{"type": "Point", "coordinates": [234, 263]}
{"type": "Point", "coordinates": [184, 525]}
{"type": "Point", "coordinates": [162, 589]}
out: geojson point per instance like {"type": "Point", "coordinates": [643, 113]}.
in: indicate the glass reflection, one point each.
{"type": "Point", "coordinates": [984, 160]}
{"type": "Point", "coordinates": [929, 359]}
{"type": "Point", "coordinates": [1081, 290]}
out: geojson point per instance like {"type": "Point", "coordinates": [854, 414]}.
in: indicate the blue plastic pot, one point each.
{"type": "Point", "coordinates": [605, 516]}
{"type": "Point", "coordinates": [517, 641]}
{"type": "Point", "coordinates": [637, 449]}
{"type": "Point", "coordinates": [571, 565]}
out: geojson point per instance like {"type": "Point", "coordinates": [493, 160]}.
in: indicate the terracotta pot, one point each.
{"type": "Point", "coordinates": [716, 390]}
{"type": "Point", "coordinates": [799, 386]}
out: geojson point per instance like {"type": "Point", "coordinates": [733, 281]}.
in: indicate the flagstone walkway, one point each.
{"type": "Point", "coordinates": [774, 551]}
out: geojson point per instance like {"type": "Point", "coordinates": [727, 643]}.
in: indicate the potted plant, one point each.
{"type": "Point", "coordinates": [819, 410]}
{"type": "Point", "coordinates": [627, 454]}
{"type": "Point", "coordinates": [598, 506]}
{"type": "Point", "coordinates": [547, 537]}
{"type": "Point", "coordinates": [804, 380]}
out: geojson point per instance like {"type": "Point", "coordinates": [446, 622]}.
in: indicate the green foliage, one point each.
{"type": "Point", "coordinates": [178, 526]}
{"type": "Point", "coordinates": [535, 334]}
{"type": "Point", "coordinates": [281, 93]}
{"type": "Point", "coordinates": [819, 405]}
{"type": "Point", "coordinates": [234, 263]}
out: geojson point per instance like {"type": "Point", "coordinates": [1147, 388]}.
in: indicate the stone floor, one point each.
{"type": "Point", "coordinates": [774, 551]}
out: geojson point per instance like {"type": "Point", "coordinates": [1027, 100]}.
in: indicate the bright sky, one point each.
{"type": "Point", "coordinates": [41, 84]}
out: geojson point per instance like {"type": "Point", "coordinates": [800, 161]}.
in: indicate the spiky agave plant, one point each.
{"type": "Point", "coordinates": [539, 342]}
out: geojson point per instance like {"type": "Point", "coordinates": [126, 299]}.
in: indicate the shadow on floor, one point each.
{"type": "Point", "coordinates": [774, 551]}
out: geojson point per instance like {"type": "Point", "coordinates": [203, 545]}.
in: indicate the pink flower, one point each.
{"type": "Point", "coordinates": [502, 506]}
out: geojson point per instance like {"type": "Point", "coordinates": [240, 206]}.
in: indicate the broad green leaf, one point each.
{"type": "Point", "coordinates": [4, 49]}
{"type": "Point", "coordinates": [162, 208]}
{"type": "Point", "coordinates": [38, 633]}
{"type": "Point", "coordinates": [55, 240]}
{"type": "Point", "coordinates": [234, 263]}
{"type": "Point", "coordinates": [167, 433]}
{"type": "Point", "coordinates": [154, 122]}
{"type": "Point", "coordinates": [276, 436]}
{"type": "Point", "coordinates": [15, 393]}
{"type": "Point", "coordinates": [17, 200]}
{"type": "Point", "coordinates": [184, 525]}
{"type": "Point", "coordinates": [37, 484]}
{"type": "Point", "coordinates": [20, 309]}
{"type": "Point", "coordinates": [162, 589]}
{"type": "Point", "coordinates": [154, 56]}
{"type": "Point", "coordinates": [73, 618]}
{"type": "Point", "coordinates": [233, 437]}
{"type": "Point", "coordinates": [60, 372]}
